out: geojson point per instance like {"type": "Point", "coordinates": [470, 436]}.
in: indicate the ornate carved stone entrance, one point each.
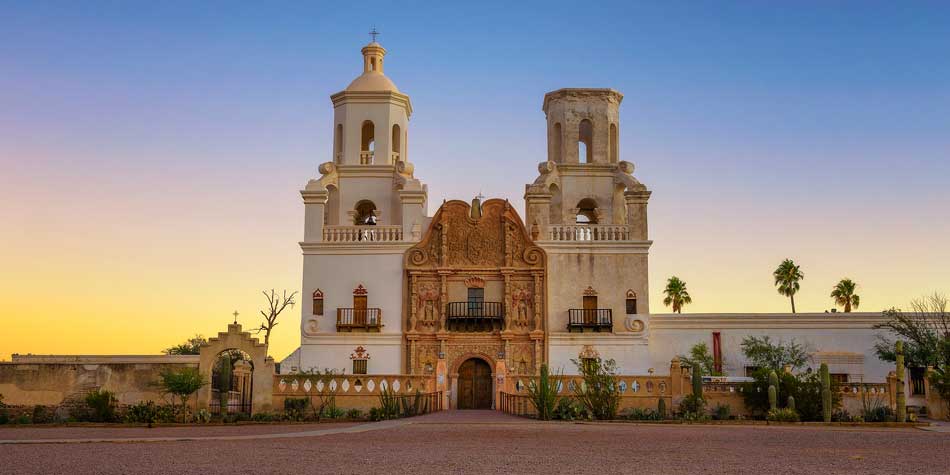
{"type": "Point", "coordinates": [475, 385]}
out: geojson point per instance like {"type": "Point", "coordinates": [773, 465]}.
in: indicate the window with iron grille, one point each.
{"type": "Point", "coordinates": [631, 306]}
{"type": "Point", "coordinates": [359, 366]}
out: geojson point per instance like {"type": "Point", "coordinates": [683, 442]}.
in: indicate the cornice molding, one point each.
{"type": "Point", "coordinates": [766, 321]}
{"type": "Point", "coordinates": [595, 247]}
{"type": "Point", "coordinates": [372, 97]}
{"type": "Point", "coordinates": [357, 248]}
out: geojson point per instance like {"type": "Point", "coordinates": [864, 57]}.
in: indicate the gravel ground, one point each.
{"type": "Point", "coordinates": [472, 442]}
{"type": "Point", "coordinates": [51, 432]}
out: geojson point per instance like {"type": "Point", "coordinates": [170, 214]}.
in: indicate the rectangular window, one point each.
{"type": "Point", "coordinates": [839, 378]}
{"type": "Point", "coordinates": [476, 300]}
{"type": "Point", "coordinates": [917, 381]}
{"type": "Point", "coordinates": [359, 366]}
{"type": "Point", "coordinates": [631, 306]}
{"type": "Point", "coordinates": [318, 306]}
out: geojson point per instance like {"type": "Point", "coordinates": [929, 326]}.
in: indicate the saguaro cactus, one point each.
{"type": "Point", "coordinates": [661, 408]}
{"type": "Point", "coordinates": [697, 380]}
{"type": "Point", "coordinates": [791, 403]}
{"type": "Point", "coordinates": [825, 392]}
{"type": "Point", "coordinates": [901, 399]}
{"type": "Point", "coordinates": [773, 391]}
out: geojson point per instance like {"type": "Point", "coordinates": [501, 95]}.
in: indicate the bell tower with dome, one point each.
{"type": "Point", "coordinates": [361, 215]}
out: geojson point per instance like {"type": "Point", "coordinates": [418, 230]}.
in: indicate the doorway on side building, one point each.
{"type": "Point", "coordinates": [474, 385]}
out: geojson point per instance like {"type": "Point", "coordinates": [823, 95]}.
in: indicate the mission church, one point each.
{"type": "Point", "coordinates": [481, 291]}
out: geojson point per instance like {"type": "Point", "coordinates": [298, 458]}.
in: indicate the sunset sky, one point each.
{"type": "Point", "coordinates": [151, 153]}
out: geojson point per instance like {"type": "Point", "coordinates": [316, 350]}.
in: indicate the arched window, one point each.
{"type": "Point", "coordinates": [365, 213]}
{"type": "Point", "coordinates": [556, 143]}
{"type": "Point", "coordinates": [585, 142]}
{"type": "Point", "coordinates": [556, 205]}
{"type": "Point", "coordinates": [396, 142]}
{"type": "Point", "coordinates": [318, 302]}
{"type": "Point", "coordinates": [613, 143]}
{"type": "Point", "coordinates": [372, 64]}
{"type": "Point", "coordinates": [338, 143]}
{"type": "Point", "coordinates": [331, 212]}
{"type": "Point", "coordinates": [367, 142]}
{"type": "Point", "coordinates": [586, 211]}
{"type": "Point", "coordinates": [631, 302]}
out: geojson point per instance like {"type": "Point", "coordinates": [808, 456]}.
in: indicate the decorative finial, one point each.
{"type": "Point", "coordinates": [235, 316]}
{"type": "Point", "coordinates": [480, 196]}
{"type": "Point", "coordinates": [373, 33]}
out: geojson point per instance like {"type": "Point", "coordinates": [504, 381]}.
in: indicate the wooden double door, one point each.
{"type": "Point", "coordinates": [475, 385]}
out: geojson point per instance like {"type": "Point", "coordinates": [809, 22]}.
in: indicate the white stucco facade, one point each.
{"type": "Point", "coordinates": [585, 209]}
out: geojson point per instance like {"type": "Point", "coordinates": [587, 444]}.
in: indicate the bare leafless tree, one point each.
{"type": "Point", "coordinates": [275, 305]}
{"type": "Point", "coordinates": [922, 329]}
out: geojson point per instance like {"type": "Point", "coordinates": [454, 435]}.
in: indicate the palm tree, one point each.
{"type": "Point", "coordinates": [844, 295]}
{"type": "Point", "coordinates": [787, 277]}
{"type": "Point", "coordinates": [676, 294]}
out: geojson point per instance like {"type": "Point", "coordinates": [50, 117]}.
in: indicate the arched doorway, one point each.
{"type": "Point", "coordinates": [475, 385]}
{"type": "Point", "coordinates": [232, 387]}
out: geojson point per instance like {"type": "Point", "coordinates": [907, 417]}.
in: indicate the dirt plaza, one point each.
{"type": "Point", "coordinates": [474, 442]}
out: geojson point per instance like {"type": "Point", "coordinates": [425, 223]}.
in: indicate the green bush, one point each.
{"type": "Point", "coordinates": [354, 414]}
{"type": "Point", "coordinates": [23, 419]}
{"type": "Point", "coordinates": [642, 414]}
{"type": "Point", "coordinates": [782, 415]}
{"type": "Point", "coordinates": [41, 415]}
{"type": "Point", "coordinates": [661, 408]}
{"type": "Point", "coordinates": [568, 410]}
{"type": "Point", "coordinates": [102, 405]}
{"type": "Point", "coordinates": [692, 404]}
{"type": "Point", "coordinates": [146, 412]}
{"type": "Point", "coordinates": [375, 414]}
{"type": "Point", "coordinates": [333, 413]}
{"type": "Point", "coordinates": [295, 408]}
{"type": "Point", "coordinates": [203, 416]}
{"type": "Point", "coordinates": [843, 416]}
{"type": "Point", "coordinates": [599, 393]}
{"type": "Point", "coordinates": [266, 417]}
{"type": "Point", "coordinates": [721, 412]}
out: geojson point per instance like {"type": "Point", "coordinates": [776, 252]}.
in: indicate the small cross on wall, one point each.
{"type": "Point", "coordinates": [235, 316]}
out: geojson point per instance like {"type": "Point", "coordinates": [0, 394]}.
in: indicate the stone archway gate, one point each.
{"type": "Point", "coordinates": [262, 376]}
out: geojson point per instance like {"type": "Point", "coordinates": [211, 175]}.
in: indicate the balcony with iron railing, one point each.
{"type": "Point", "coordinates": [475, 316]}
{"type": "Point", "coordinates": [365, 233]}
{"type": "Point", "coordinates": [586, 232]}
{"type": "Point", "coordinates": [594, 319]}
{"type": "Point", "coordinates": [366, 319]}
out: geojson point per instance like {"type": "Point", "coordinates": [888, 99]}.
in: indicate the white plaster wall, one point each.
{"type": "Point", "coordinates": [385, 353]}
{"type": "Point", "coordinates": [665, 344]}
{"type": "Point", "coordinates": [338, 274]}
{"type": "Point", "coordinates": [379, 190]}
{"type": "Point", "coordinates": [632, 355]}
{"type": "Point", "coordinates": [384, 115]}
{"type": "Point", "coordinates": [569, 274]}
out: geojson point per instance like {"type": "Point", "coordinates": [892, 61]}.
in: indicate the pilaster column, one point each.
{"type": "Point", "coordinates": [636, 202]}
{"type": "Point", "coordinates": [314, 209]}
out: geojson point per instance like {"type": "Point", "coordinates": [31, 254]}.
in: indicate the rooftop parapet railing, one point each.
{"type": "Point", "coordinates": [378, 233]}
{"type": "Point", "coordinates": [586, 232]}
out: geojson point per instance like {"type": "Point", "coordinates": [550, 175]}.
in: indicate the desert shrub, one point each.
{"type": "Point", "coordinates": [146, 412]}
{"type": "Point", "coordinates": [42, 415]}
{"type": "Point", "coordinates": [599, 393]}
{"type": "Point", "coordinates": [842, 415]}
{"type": "Point", "coordinates": [389, 407]}
{"type": "Point", "coordinates": [641, 414]}
{"type": "Point", "coordinates": [692, 404]}
{"type": "Point", "coordinates": [102, 406]}
{"type": "Point", "coordinates": [375, 414]}
{"type": "Point", "coordinates": [333, 413]}
{"type": "Point", "coordinates": [295, 408]}
{"type": "Point", "coordinates": [782, 414]}
{"type": "Point", "coordinates": [203, 416]}
{"type": "Point", "coordinates": [875, 408]}
{"type": "Point", "coordinates": [266, 417]}
{"type": "Point", "coordinates": [22, 419]}
{"type": "Point", "coordinates": [236, 417]}
{"type": "Point", "coordinates": [182, 383]}
{"type": "Point", "coordinates": [568, 410]}
{"type": "Point", "coordinates": [805, 388]}
{"type": "Point", "coordinates": [721, 412]}
{"type": "Point", "coordinates": [354, 414]}
{"type": "Point", "coordinates": [543, 393]}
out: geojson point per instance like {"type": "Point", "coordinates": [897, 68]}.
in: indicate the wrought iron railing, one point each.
{"type": "Point", "coordinates": [348, 319]}
{"type": "Point", "coordinates": [475, 316]}
{"type": "Point", "coordinates": [597, 319]}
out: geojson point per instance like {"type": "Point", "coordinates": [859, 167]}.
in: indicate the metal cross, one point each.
{"type": "Point", "coordinates": [374, 34]}
{"type": "Point", "coordinates": [235, 316]}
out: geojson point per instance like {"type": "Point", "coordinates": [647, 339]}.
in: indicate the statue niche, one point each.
{"type": "Point", "coordinates": [520, 305]}
{"type": "Point", "coordinates": [428, 305]}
